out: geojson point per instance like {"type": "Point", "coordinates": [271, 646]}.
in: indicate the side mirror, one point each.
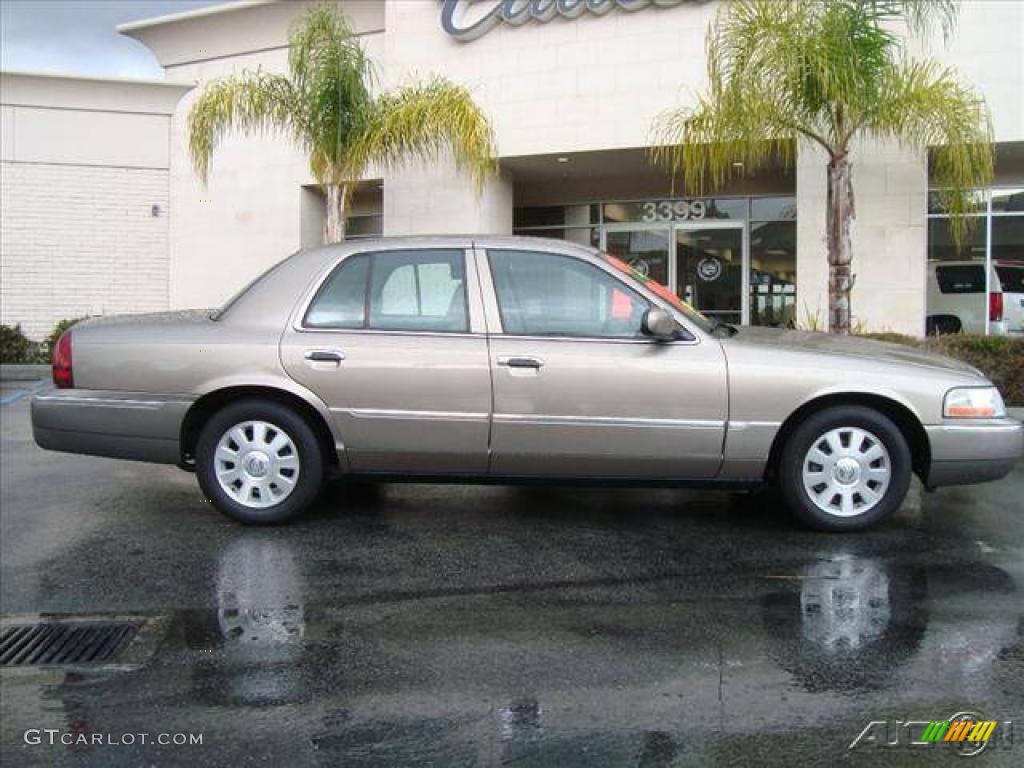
{"type": "Point", "coordinates": [659, 324]}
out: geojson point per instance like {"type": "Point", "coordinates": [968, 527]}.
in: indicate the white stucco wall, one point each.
{"type": "Point", "coordinates": [82, 164]}
{"type": "Point", "coordinates": [595, 82]}
{"type": "Point", "coordinates": [250, 214]}
{"type": "Point", "coordinates": [890, 238]}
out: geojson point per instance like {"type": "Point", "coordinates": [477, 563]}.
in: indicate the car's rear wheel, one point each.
{"type": "Point", "coordinates": [845, 468]}
{"type": "Point", "coordinates": [259, 462]}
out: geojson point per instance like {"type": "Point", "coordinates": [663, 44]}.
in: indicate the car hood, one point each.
{"type": "Point", "coordinates": [847, 346]}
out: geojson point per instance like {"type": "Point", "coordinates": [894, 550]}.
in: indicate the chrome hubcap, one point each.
{"type": "Point", "coordinates": [847, 471]}
{"type": "Point", "coordinates": [257, 464]}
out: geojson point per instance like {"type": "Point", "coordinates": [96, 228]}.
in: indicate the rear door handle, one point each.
{"type": "Point", "coordinates": [521, 361]}
{"type": "Point", "coordinates": [325, 355]}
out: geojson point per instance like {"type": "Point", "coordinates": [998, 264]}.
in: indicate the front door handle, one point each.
{"type": "Point", "coordinates": [521, 361]}
{"type": "Point", "coordinates": [325, 355]}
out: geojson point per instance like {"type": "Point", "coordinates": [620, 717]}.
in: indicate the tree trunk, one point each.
{"type": "Point", "coordinates": [337, 203]}
{"type": "Point", "coordinates": [840, 245]}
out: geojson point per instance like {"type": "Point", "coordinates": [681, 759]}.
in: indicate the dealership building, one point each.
{"type": "Point", "coordinates": [102, 212]}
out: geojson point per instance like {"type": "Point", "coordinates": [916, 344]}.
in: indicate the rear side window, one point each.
{"type": "Point", "coordinates": [1012, 278]}
{"type": "Point", "coordinates": [961, 278]}
{"type": "Point", "coordinates": [341, 301]}
{"type": "Point", "coordinates": [422, 290]}
{"type": "Point", "coordinates": [419, 291]}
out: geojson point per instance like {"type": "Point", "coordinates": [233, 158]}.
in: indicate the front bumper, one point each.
{"type": "Point", "coordinates": [120, 425]}
{"type": "Point", "coordinates": [973, 453]}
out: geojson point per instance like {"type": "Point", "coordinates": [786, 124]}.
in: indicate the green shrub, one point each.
{"type": "Point", "coordinates": [45, 354]}
{"type": "Point", "coordinates": [1000, 358]}
{"type": "Point", "coordinates": [15, 347]}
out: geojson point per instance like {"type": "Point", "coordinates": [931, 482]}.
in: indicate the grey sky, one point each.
{"type": "Point", "coordinates": [78, 36]}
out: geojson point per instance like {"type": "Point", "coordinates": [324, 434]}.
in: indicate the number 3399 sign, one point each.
{"type": "Point", "coordinates": [673, 210]}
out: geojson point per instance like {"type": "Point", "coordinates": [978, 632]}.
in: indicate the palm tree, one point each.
{"type": "Point", "coordinates": [785, 73]}
{"type": "Point", "coordinates": [326, 105]}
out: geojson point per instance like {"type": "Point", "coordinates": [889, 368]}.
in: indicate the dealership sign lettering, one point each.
{"type": "Point", "coordinates": [467, 20]}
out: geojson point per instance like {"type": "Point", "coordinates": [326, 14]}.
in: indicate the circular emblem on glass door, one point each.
{"type": "Point", "coordinates": [642, 266]}
{"type": "Point", "coordinates": [709, 269]}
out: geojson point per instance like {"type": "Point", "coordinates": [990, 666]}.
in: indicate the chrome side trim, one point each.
{"type": "Point", "coordinates": [980, 429]}
{"type": "Point", "coordinates": [379, 413]}
{"type": "Point", "coordinates": [378, 332]}
{"type": "Point", "coordinates": [600, 340]}
{"type": "Point", "coordinates": [109, 402]}
{"type": "Point", "coordinates": [606, 421]}
{"type": "Point", "coordinates": [735, 426]}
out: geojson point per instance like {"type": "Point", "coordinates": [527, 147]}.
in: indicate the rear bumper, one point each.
{"type": "Point", "coordinates": [973, 453]}
{"type": "Point", "coordinates": [120, 425]}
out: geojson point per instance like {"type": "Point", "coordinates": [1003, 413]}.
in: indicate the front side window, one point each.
{"type": "Point", "coordinates": [422, 290]}
{"type": "Point", "coordinates": [544, 294]}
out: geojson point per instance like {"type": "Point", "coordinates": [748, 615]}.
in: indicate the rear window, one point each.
{"type": "Point", "coordinates": [961, 278]}
{"type": "Point", "coordinates": [1012, 278]}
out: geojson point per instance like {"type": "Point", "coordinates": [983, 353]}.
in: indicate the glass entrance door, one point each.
{"type": "Point", "coordinates": [709, 269]}
{"type": "Point", "coordinates": [645, 249]}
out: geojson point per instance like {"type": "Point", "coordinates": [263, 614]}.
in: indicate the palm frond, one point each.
{"type": "Point", "coordinates": [785, 70]}
{"type": "Point", "coordinates": [332, 74]}
{"type": "Point", "coordinates": [253, 102]}
{"type": "Point", "coordinates": [424, 121]}
{"type": "Point", "coordinates": [925, 105]}
{"type": "Point", "coordinates": [327, 107]}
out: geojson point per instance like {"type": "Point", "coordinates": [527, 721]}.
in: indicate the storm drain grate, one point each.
{"type": "Point", "coordinates": [65, 643]}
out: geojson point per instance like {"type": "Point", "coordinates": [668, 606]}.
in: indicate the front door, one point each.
{"type": "Point", "coordinates": [709, 269]}
{"type": "Point", "coordinates": [578, 390]}
{"type": "Point", "coordinates": [393, 342]}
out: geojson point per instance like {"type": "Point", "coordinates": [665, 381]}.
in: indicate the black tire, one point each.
{"type": "Point", "coordinates": [809, 433]}
{"type": "Point", "coordinates": [310, 468]}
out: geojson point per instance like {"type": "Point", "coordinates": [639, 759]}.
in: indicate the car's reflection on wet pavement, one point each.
{"type": "Point", "coordinates": [433, 625]}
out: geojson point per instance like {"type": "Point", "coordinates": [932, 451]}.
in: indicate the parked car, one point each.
{"type": "Point", "coordinates": [959, 298]}
{"type": "Point", "coordinates": [511, 360]}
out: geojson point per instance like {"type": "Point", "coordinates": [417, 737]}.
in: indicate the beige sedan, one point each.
{"type": "Point", "coordinates": [511, 360]}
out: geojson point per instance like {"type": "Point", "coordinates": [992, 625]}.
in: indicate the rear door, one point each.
{"type": "Point", "coordinates": [393, 341]}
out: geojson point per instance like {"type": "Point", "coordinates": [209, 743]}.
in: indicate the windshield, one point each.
{"type": "Point", "coordinates": [663, 292]}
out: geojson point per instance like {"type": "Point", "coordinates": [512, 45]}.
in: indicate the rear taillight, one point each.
{"type": "Point", "coordinates": [995, 307]}
{"type": "Point", "coordinates": [63, 378]}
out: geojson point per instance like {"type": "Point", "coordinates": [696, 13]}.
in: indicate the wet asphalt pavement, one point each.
{"type": "Point", "coordinates": [448, 626]}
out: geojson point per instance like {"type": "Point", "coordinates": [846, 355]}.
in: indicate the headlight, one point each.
{"type": "Point", "coordinates": [973, 403]}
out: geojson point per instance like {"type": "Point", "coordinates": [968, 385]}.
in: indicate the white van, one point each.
{"type": "Point", "coordinates": [957, 300]}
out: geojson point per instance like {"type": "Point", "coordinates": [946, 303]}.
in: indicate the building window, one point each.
{"type": "Point", "coordinates": [364, 226]}
{"type": "Point", "coordinates": [728, 239]}
{"type": "Point", "coordinates": [773, 273]}
{"type": "Point", "coordinates": [991, 254]}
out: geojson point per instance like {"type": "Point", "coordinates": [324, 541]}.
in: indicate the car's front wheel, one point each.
{"type": "Point", "coordinates": [259, 462]}
{"type": "Point", "coordinates": [845, 468]}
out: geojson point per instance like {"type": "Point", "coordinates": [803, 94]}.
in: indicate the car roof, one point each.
{"type": "Point", "coordinates": [259, 302]}
{"type": "Point", "coordinates": [457, 241]}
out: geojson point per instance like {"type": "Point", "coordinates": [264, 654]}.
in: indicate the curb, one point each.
{"type": "Point", "coordinates": [22, 372]}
